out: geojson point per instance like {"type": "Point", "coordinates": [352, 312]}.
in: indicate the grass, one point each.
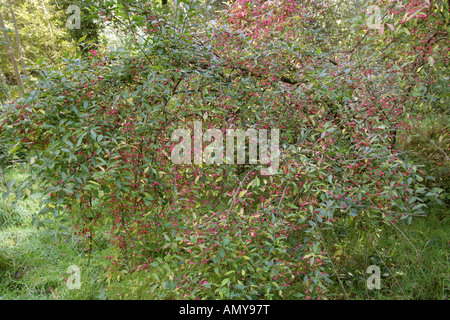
{"type": "Point", "coordinates": [34, 266]}
{"type": "Point", "coordinates": [405, 272]}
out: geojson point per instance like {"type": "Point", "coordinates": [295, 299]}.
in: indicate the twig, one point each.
{"type": "Point", "coordinates": [237, 191]}
{"type": "Point", "coordinates": [282, 196]}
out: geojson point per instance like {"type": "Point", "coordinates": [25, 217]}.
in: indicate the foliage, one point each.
{"type": "Point", "coordinates": [43, 39]}
{"type": "Point", "coordinates": [34, 267]}
{"type": "Point", "coordinates": [89, 28]}
{"type": "Point", "coordinates": [97, 134]}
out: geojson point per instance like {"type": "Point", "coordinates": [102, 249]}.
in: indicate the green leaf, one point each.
{"type": "Point", "coordinates": [82, 38]}
{"type": "Point", "coordinates": [93, 134]}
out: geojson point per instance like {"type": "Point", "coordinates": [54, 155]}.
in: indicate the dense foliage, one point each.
{"type": "Point", "coordinates": [97, 134]}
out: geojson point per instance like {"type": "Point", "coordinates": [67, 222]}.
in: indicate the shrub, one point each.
{"type": "Point", "coordinates": [98, 135]}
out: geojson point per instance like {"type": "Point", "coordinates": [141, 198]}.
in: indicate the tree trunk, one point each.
{"type": "Point", "coordinates": [19, 47]}
{"type": "Point", "coordinates": [11, 53]}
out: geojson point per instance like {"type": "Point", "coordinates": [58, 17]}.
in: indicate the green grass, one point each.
{"type": "Point", "coordinates": [406, 273]}
{"type": "Point", "coordinates": [32, 265]}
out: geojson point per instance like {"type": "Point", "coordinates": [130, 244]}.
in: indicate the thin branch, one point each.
{"type": "Point", "coordinates": [237, 191]}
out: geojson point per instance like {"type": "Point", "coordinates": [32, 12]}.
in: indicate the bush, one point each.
{"type": "Point", "coordinates": [99, 139]}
